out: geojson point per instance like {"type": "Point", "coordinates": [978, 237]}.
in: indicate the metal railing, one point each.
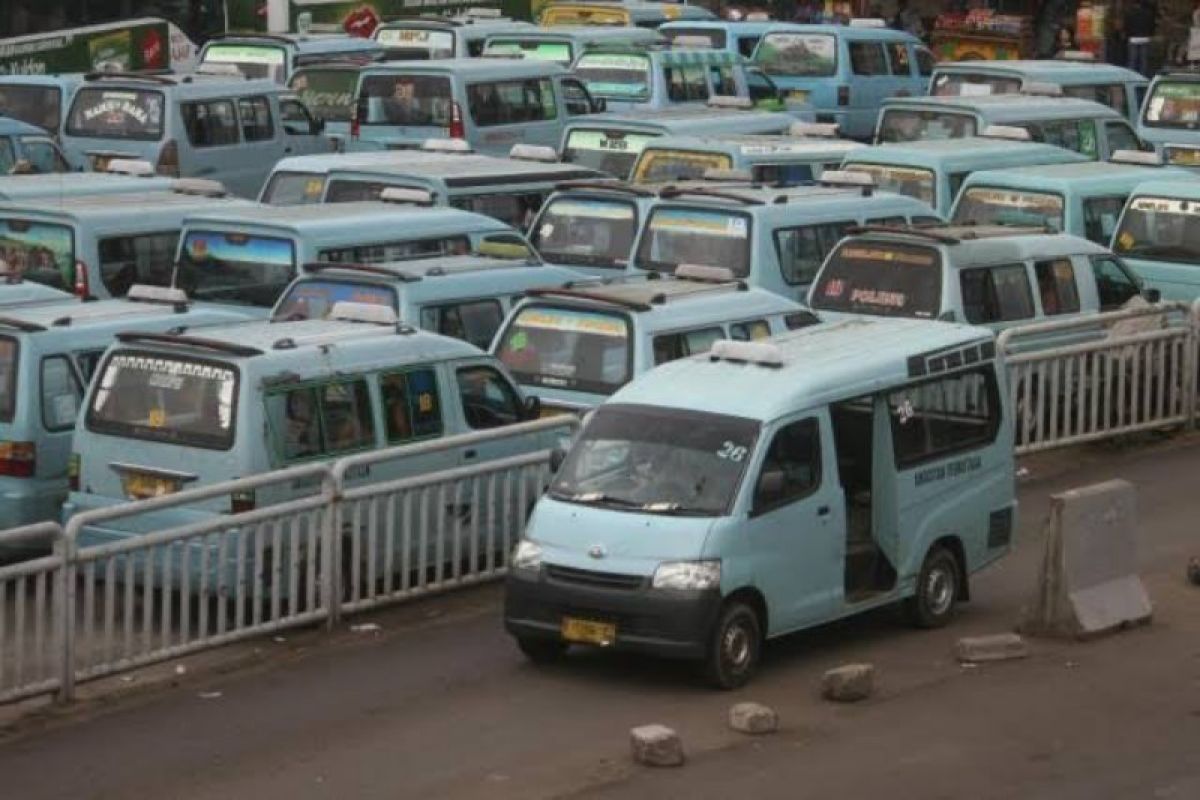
{"type": "Point", "coordinates": [31, 619]}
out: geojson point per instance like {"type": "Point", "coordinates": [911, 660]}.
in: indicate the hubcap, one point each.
{"type": "Point", "coordinates": [736, 644]}
{"type": "Point", "coordinates": [939, 590]}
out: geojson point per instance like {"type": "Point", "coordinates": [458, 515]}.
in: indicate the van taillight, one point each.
{"type": "Point", "coordinates": [356, 121]}
{"type": "Point", "coordinates": [168, 160]}
{"type": "Point", "coordinates": [81, 288]}
{"type": "Point", "coordinates": [18, 459]}
{"type": "Point", "coordinates": [74, 465]}
{"type": "Point", "coordinates": [457, 129]}
{"type": "Point", "coordinates": [240, 502]}
{"type": "Point", "coordinates": [843, 95]}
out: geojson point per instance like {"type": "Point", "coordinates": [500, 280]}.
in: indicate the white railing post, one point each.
{"type": "Point", "coordinates": [331, 555]}
{"type": "Point", "coordinates": [64, 548]}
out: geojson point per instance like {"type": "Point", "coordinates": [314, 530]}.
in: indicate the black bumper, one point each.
{"type": "Point", "coordinates": [675, 624]}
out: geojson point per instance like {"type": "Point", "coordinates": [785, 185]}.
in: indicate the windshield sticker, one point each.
{"type": "Point", "coordinates": [591, 210]}
{"type": "Point", "coordinates": [1126, 240]}
{"type": "Point", "coordinates": [732, 452]}
{"type": "Point", "coordinates": [899, 257]}
{"type": "Point", "coordinates": [1016, 199]}
{"type": "Point", "coordinates": [700, 223]}
{"type": "Point", "coordinates": [246, 54]}
{"type": "Point", "coordinates": [875, 297]}
{"type": "Point", "coordinates": [1166, 205]}
{"type": "Point", "coordinates": [599, 324]}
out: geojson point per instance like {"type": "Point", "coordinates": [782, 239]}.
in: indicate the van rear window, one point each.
{"type": "Point", "coordinates": [586, 231]}
{"type": "Point", "coordinates": [41, 252]}
{"type": "Point", "coordinates": [8, 378]}
{"type": "Point", "coordinates": [808, 55]}
{"type": "Point", "coordinates": [559, 52]}
{"type": "Point", "coordinates": [982, 205]}
{"type": "Point", "coordinates": [117, 114]}
{"type": "Point", "coordinates": [37, 105]}
{"type": "Point", "coordinates": [619, 76]}
{"type": "Point", "coordinates": [416, 43]}
{"type": "Point", "coordinates": [1174, 105]}
{"type": "Point", "coordinates": [660, 166]}
{"type": "Point", "coordinates": [881, 279]}
{"type": "Point", "coordinates": [611, 151]}
{"type": "Point", "coordinates": [235, 267]}
{"type": "Point", "coordinates": [252, 60]}
{"type": "Point", "coordinates": [909, 125]}
{"type": "Point", "coordinates": [162, 398]}
{"type": "Point", "coordinates": [973, 84]}
{"type": "Point", "coordinates": [406, 100]}
{"type": "Point", "coordinates": [675, 236]}
{"type": "Point", "coordinates": [315, 299]}
{"type": "Point", "coordinates": [327, 92]}
{"type": "Point", "coordinates": [908, 181]}
{"type": "Point", "coordinates": [567, 348]}
{"type": "Point", "coordinates": [294, 189]}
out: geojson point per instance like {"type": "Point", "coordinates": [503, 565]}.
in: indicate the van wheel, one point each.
{"type": "Point", "coordinates": [938, 587]}
{"type": "Point", "coordinates": [541, 651]}
{"type": "Point", "coordinates": [734, 647]}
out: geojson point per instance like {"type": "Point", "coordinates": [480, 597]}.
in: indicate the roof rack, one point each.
{"type": "Point", "coordinates": [162, 80]}
{"type": "Point", "coordinates": [165, 295]}
{"type": "Point", "coordinates": [579, 294]}
{"type": "Point", "coordinates": [848, 179]}
{"type": "Point", "coordinates": [613, 186]}
{"type": "Point", "coordinates": [369, 269]}
{"type": "Point", "coordinates": [405, 196]}
{"type": "Point", "coordinates": [199, 187]}
{"type": "Point", "coordinates": [370, 313]}
{"type": "Point", "coordinates": [671, 192]}
{"type": "Point", "coordinates": [923, 233]}
{"type": "Point", "coordinates": [201, 343]}
{"type": "Point", "coordinates": [1139, 158]}
{"type": "Point", "coordinates": [20, 324]}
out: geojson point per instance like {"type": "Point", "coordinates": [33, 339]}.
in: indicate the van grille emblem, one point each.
{"type": "Point", "coordinates": [597, 551]}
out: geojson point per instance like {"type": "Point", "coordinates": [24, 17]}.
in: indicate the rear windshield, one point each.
{"type": "Point", "coordinates": [660, 166]}
{"type": "Point", "coordinates": [162, 398]}
{"type": "Point", "coordinates": [235, 267]}
{"type": "Point", "coordinates": [315, 299]}
{"type": "Point", "coordinates": [416, 43]}
{"type": "Point", "coordinates": [618, 76]}
{"type": "Point", "coordinates": [611, 151]}
{"type": "Point", "coordinates": [37, 105]}
{"type": "Point", "coordinates": [252, 60]}
{"type": "Point", "coordinates": [567, 348]}
{"type": "Point", "coordinates": [882, 279]}
{"type": "Point", "coordinates": [987, 206]}
{"type": "Point", "coordinates": [586, 231]}
{"type": "Point", "coordinates": [1160, 229]}
{"type": "Point", "coordinates": [973, 84]}
{"type": "Point", "coordinates": [558, 52]}
{"type": "Point", "coordinates": [8, 378]}
{"type": "Point", "coordinates": [1174, 105]}
{"type": "Point", "coordinates": [677, 236]}
{"type": "Point", "coordinates": [327, 93]}
{"type": "Point", "coordinates": [294, 189]}
{"type": "Point", "coordinates": [810, 55]}
{"type": "Point", "coordinates": [40, 252]}
{"type": "Point", "coordinates": [909, 125]}
{"type": "Point", "coordinates": [908, 181]}
{"type": "Point", "coordinates": [117, 114]}
{"type": "Point", "coordinates": [715, 36]}
{"type": "Point", "coordinates": [405, 100]}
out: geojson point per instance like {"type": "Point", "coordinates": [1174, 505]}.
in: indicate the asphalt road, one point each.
{"type": "Point", "coordinates": [442, 705]}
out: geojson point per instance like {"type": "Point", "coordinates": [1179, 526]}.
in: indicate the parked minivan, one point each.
{"type": "Point", "coordinates": [493, 103]}
{"type": "Point", "coordinates": [573, 347]}
{"type": "Point", "coordinates": [1171, 115]}
{"type": "Point", "coordinates": [274, 56]}
{"type": "Point", "coordinates": [563, 44]}
{"type": "Point", "coordinates": [871, 463]}
{"type": "Point", "coordinates": [223, 129]}
{"type": "Point", "coordinates": [1158, 235]}
{"type": "Point", "coordinates": [845, 72]}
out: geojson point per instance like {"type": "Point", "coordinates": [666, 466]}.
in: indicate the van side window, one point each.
{"type": "Point", "coordinates": [488, 400]}
{"type": "Point", "coordinates": [1078, 135]}
{"type": "Point", "coordinates": [792, 467]}
{"type": "Point", "coordinates": [398, 251]}
{"type": "Point", "coordinates": [1100, 215]}
{"type": "Point", "coordinates": [475, 322]}
{"type": "Point", "coordinates": [42, 155]}
{"type": "Point", "coordinates": [686, 83]}
{"type": "Point", "coordinates": [346, 416]}
{"type": "Point", "coordinates": [517, 210]}
{"type": "Point", "coordinates": [296, 118]}
{"type": "Point", "coordinates": [322, 420]}
{"type": "Point", "coordinates": [946, 415]}
{"type": "Point", "coordinates": [1056, 285]}
{"type": "Point", "coordinates": [867, 58]}
{"type": "Point", "coordinates": [746, 45]}
{"type": "Point", "coordinates": [576, 97]}
{"type": "Point", "coordinates": [1121, 137]}
{"type": "Point", "coordinates": [255, 114]}
{"type": "Point", "coordinates": [210, 123]}
{"type": "Point", "coordinates": [750, 331]}
{"type": "Point", "coordinates": [722, 80]}
{"type": "Point", "coordinates": [925, 62]}
{"type": "Point", "coordinates": [1110, 94]}
{"type": "Point", "coordinates": [295, 422]}
{"type": "Point", "coordinates": [996, 294]}
{"type": "Point", "coordinates": [61, 394]}
{"type": "Point", "coordinates": [671, 346]}
{"type": "Point", "coordinates": [510, 102]}
{"type": "Point", "coordinates": [801, 251]}
{"type": "Point", "coordinates": [900, 61]}
{"type": "Point", "coordinates": [411, 408]}
{"type": "Point", "coordinates": [761, 87]}
{"type": "Point", "coordinates": [138, 258]}
{"type": "Point", "coordinates": [1114, 284]}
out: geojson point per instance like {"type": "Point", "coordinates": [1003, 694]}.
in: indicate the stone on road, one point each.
{"type": "Point", "coordinates": [656, 746]}
{"type": "Point", "coordinates": [849, 683]}
{"type": "Point", "coordinates": [753, 718]}
{"type": "Point", "coordinates": [996, 647]}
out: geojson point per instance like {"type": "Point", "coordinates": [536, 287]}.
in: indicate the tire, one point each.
{"type": "Point", "coordinates": [939, 586]}
{"type": "Point", "coordinates": [734, 647]}
{"type": "Point", "coordinates": [541, 651]}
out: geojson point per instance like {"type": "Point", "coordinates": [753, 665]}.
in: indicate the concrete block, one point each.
{"type": "Point", "coordinates": [656, 746]}
{"type": "Point", "coordinates": [753, 718]}
{"type": "Point", "coordinates": [998, 647]}
{"type": "Point", "coordinates": [849, 683]}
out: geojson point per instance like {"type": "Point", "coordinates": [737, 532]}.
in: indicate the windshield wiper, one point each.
{"type": "Point", "coordinates": [673, 509]}
{"type": "Point", "coordinates": [597, 498]}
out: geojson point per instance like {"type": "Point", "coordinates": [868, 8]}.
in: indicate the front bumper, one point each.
{"type": "Point", "coordinates": [674, 624]}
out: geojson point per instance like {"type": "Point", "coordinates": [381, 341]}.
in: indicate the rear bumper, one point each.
{"type": "Point", "coordinates": [674, 624]}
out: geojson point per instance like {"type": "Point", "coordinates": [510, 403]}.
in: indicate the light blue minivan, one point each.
{"type": "Point", "coordinates": [729, 498]}
{"type": "Point", "coordinates": [1158, 235]}
{"type": "Point", "coordinates": [40, 100]}
{"type": "Point", "coordinates": [274, 57]}
{"type": "Point", "coordinates": [563, 44]}
{"type": "Point", "coordinates": [1171, 115]}
{"type": "Point", "coordinates": [845, 72]}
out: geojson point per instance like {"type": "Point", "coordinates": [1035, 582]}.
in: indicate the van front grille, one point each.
{"type": "Point", "coordinates": [587, 577]}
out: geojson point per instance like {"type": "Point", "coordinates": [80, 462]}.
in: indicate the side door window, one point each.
{"type": "Point", "coordinates": [86, 362]}
{"type": "Point", "coordinates": [947, 415]}
{"type": "Point", "coordinates": [750, 331]}
{"type": "Point", "coordinates": [211, 123]}
{"type": "Point", "coordinates": [1121, 137]}
{"type": "Point", "coordinates": [411, 407]}
{"type": "Point", "coordinates": [791, 469]}
{"type": "Point", "coordinates": [671, 346]}
{"type": "Point", "coordinates": [899, 59]}
{"type": "Point", "coordinates": [575, 97]}
{"type": "Point", "coordinates": [61, 394]}
{"type": "Point", "coordinates": [1100, 215]}
{"type": "Point", "coordinates": [996, 294]}
{"type": "Point", "coordinates": [255, 116]}
{"type": "Point", "coordinates": [762, 88]}
{"type": "Point", "coordinates": [313, 421]}
{"type": "Point", "coordinates": [722, 80]}
{"type": "Point", "coordinates": [1056, 286]}
{"type": "Point", "coordinates": [473, 321]}
{"type": "Point", "coordinates": [867, 59]}
{"type": "Point", "coordinates": [296, 118]}
{"type": "Point", "coordinates": [1114, 284]}
{"type": "Point", "coordinates": [488, 399]}
{"type": "Point", "coordinates": [43, 155]}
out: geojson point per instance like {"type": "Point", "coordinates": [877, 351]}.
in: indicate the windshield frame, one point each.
{"type": "Point", "coordinates": [539, 379]}
{"type": "Point", "coordinates": [1158, 86]}
{"type": "Point", "coordinates": [279, 77]}
{"type": "Point", "coordinates": [161, 98]}
{"type": "Point", "coordinates": [1124, 253]}
{"type": "Point", "coordinates": [771, 71]}
{"type": "Point", "coordinates": [558, 257]}
{"type": "Point", "coordinates": [1058, 196]}
{"type": "Point", "coordinates": [279, 176]}
{"type": "Point", "coordinates": [645, 235]}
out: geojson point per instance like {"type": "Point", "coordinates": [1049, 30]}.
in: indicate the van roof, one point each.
{"type": "Point", "coordinates": [13, 187]}
{"type": "Point", "coordinates": [853, 32]}
{"type": "Point", "coordinates": [754, 28]}
{"type": "Point", "coordinates": [15, 127]}
{"type": "Point", "coordinates": [465, 169]}
{"type": "Point", "coordinates": [185, 87]}
{"type": "Point", "coordinates": [685, 57]}
{"type": "Point", "coordinates": [70, 314]}
{"type": "Point", "coordinates": [380, 219]}
{"type": "Point", "coordinates": [756, 144]}
{"type": "Point", "coordinates": [1010, 109]}
{"type": "Point", "coordinates": [306, 43]}
{"type": "Point", "coordinates": [133, 211]}
{"type": "Point", "coordinates": [579, 33]}
{"type": "Point", "coordinates": [471, 69]}
{"type": "Point", "coordinates": [1088, 175]}
{"type": "Point", "coordinates": [976, 245]}
{"type": "Point", "coordinates": [784, 202]}
{"type": "Point", "coordinates": [683, 113]}
{"type": "Point", "coordinates": [820, 364]}
{"type": "Point", "coordinates": [1184, 190]}
{"type": "Point", "coordinates": [954, 154]}
{"type": "Point", "coordinates": [1062, 71]}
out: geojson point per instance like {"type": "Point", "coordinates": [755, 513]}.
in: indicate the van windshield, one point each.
{"type": "Point", "coordinates": [1160, 229]}
{"type": "Point", "coordinates": [8, 378]}
{"type": "Point", "coordinates": [800, 55]}
{"type": "Point", "coordinates": [559, 347]}
{"type": "Point", "coordinates": [413, 44]}
{"type": "Point", "coordinates": [558, 52]}
{"type": "Point", "coordinates": [981, 205]}
{"type": "Point", "coordinates": [294, 189]}
{"type": "Point", "coordinates": [715, 36]}
{"type": "Point", "coordinates": [41, 252]}
{"type": "Point", "coordinates": [661, 166]}
{"type": "Point", "coordinates": [315, 299]}
{"type": "Point", "coordinates": [117, 114]}
{"type": "Point", "coordinates": [327, 92]}
{"type": "Point", "coordinates": [658, 460]}
{"type": "Point", "coordinates": [587, 231]}
{"type": "Point", "coordinates": [881, 278]}
{"type": "Point", "coordinates": [1174, 104]}
{"type": "Point", "coordinates": [618, 76]}
{"type": "Point", "coordinates": [405, 100]}
{"type": "Point", "coordinates": [973, 84]}
{"type": "Point", "coordinates": [164, 398]}
{"type": "Point", "coordinates": [910, 125]}
{"type": "Point", "coordinates": [252, 60]}
{"type": "Point", "coordinates": [235, 267]}
{"type": "Point", "coordinates": [611, 151]}
{"type": "Point", "coordinates": [908, 181]}
{"type": "Point", "coordinates": [677, 236]}
{"type": "Point", "coordinates": [37, 105]}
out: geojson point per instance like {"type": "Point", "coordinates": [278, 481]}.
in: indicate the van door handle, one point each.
{"type": "Point", "coordinates": [823, 511]}
{"type": "Point", "coordinates": [470, 454]}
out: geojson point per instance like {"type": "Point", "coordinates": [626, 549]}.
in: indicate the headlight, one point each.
{"type": "Point", "coordinates": [687, 575]}
{"type": "Point", "coordinates": [528, 555]}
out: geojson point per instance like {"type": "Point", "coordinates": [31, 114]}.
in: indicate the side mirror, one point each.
{"type": "Point", "coordinates": [1152, 295]}
{"type": "Point", "coordinates": [599, 105]}
{"type": "Point", "coordinates": [557, 456]}
{"type": "Point", "coordinates": [533, 407]}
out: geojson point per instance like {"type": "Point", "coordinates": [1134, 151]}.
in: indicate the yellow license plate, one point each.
{"type": "Point", "coordinates": [553, 411]}
{"type": "Point", "coordinates": [139, 486]}
{"type": "Point", "coordinates": [798, 96]}
{"type": "Point", "coordinates": [588, 631]}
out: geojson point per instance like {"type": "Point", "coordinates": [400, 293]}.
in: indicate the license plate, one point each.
{"type": "Point", "coordinates": [798, 96]}
{"type": "Point", "coordinates": [588, 631]}
{"type": "Point", "coordinates": [1183, 157]}
{"type": "Point", "coordinates": [553, 411]}
{"type": "Point", "coordinates": [140, 486]}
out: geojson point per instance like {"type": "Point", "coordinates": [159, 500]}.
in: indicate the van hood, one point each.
{"type": "Point", "coordinates": [596, 538]}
